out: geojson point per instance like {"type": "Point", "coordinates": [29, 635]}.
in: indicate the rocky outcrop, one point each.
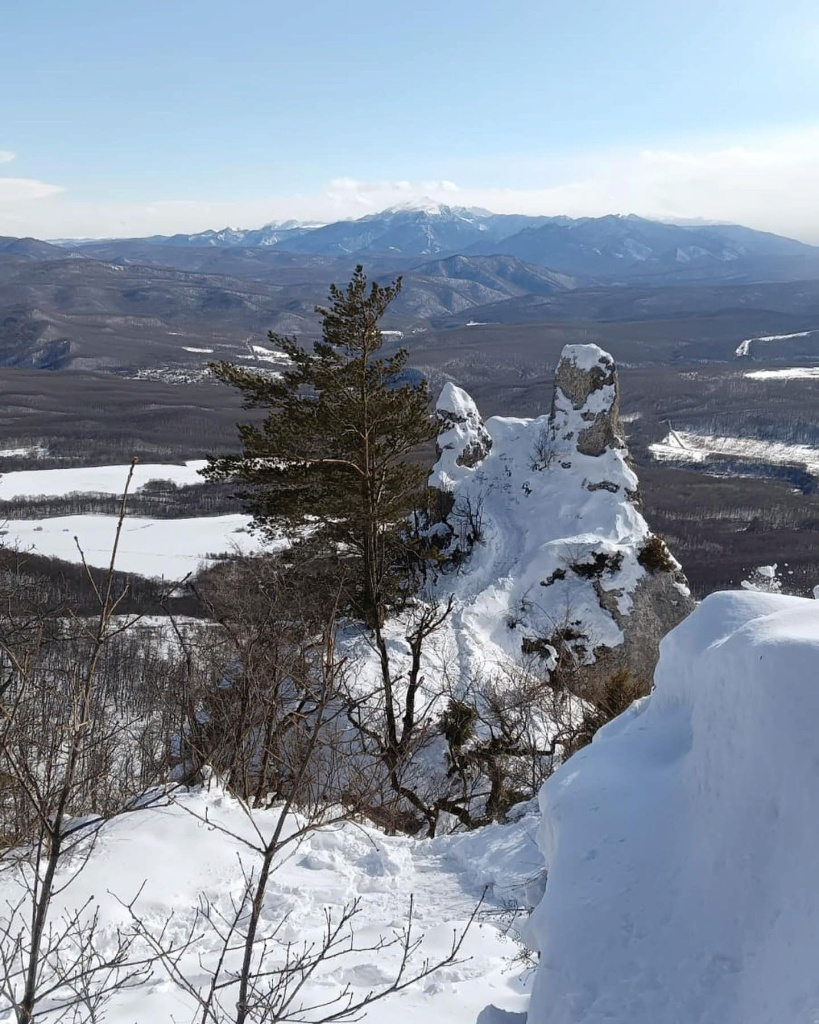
{"type": "Point", "coordinates": [586, 387]}
{"type": "Point", "coordinates": [462, 438]}
{"type": "Point", "coordinates": [558, 561]}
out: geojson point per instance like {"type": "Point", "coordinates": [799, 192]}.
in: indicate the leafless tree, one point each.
{"type": "Point", "coordinates": [279, 733]}
{"type": "Point", "coordinates": [61, 778]}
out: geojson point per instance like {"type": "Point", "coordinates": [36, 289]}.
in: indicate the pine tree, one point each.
{"type": "Point", "coordinates": [332, 456]}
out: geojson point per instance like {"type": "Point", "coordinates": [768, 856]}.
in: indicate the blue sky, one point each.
{"type": "Point", "coordinates": [138, 117]}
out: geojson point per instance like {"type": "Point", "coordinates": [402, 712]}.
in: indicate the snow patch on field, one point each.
{"type": "Point", "coordinates": [94, 479]}
{"type": "Point", "coordinates": [266, 355]}
{"type": "Point", "coordinates": [170, 548]}
{"type": "Point", "coordinates": [682, 844]}
{"type": "Point", "coordinates": [36, 451]}
{"type": "Point", "coordinates": [787, 373]}
{"type": "Point", "coordinates": [688, 447]}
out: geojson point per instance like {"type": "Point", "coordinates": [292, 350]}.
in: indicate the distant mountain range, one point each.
{"type": "Point", "coordinates": [131, 304]}
{"type": "Point", "coordinates": [604, 250]}
{"type": "Point", "coordinates": [270, 234]}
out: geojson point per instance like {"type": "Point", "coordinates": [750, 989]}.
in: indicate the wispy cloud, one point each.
{"type": "Point", "coordinates": [24, 190]}
{"type": "Point", "coordinates": [6, 156]}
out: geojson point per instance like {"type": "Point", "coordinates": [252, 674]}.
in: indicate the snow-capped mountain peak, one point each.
{"type": "Point", "coordinates": [423, 205]}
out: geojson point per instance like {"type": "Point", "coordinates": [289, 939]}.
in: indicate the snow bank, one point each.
{"type": "Point", "coordinates": [682, 845]}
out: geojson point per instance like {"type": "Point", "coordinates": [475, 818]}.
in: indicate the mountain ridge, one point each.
{"type": "Point", "coordinates": [610, 249]}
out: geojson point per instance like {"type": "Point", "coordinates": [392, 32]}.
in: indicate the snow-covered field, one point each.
{"type": "Point", "coordinates": [174, 858]}
{"type": "Point", "coordinates": [786, 373]}
{"type": "Point", "coordinates": [94, 479]}
{"type": "Point", "coordinates": [686, 446]}
{"type": "Point", "coordinates": [744, 347]}
{"type": "Point", "coordinates": [170, 548]}
{"type": "Point", "coordinates": [682, 845]}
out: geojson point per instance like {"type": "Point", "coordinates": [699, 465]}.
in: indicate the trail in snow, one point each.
{"type": "Point", "coordinates": [173, 857]}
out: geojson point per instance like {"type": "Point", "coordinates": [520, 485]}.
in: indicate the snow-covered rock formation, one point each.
{"type": "Point", "coordinates": [682, 844]}
{"type": "Point", "coordinates": [554, 556]}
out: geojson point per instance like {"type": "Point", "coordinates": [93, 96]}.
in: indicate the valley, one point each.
{"type": "Point", "coordinates": [551, 563]}
{"type": "Point", "coordinates": [104, 349]}
{"type": "Point", "coordinates": [409, 513]}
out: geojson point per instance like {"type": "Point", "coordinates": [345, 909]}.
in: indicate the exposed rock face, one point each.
{"type": "Point", "coordinates": [660, 601]}
{"type": "Point", "coordinates": [558, 558]}
{"type": "Point", "coordinates": [586, 386]}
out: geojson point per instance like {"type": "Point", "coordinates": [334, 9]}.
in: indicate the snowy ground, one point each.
{"type": "Point", "coordinates": [176, 858]}
{"type": "Point", "coordinates": [170, 548]}
{"type": "Point", "coordinates": [682, 844]}
{"type": "Point", "coordinates": [94, 479]}
{"type": "Point", "coordinates": [686, 446]}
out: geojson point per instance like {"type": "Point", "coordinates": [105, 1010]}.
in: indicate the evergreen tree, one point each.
{"type": "Point", "coordinates": [333, 454]}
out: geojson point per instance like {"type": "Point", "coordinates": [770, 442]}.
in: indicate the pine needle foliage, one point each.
{"type": "Point", "coordinates": [333, 456]}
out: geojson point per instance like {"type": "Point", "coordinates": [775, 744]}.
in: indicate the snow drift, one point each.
{"type": "Point", "coordinates": [682, 845]}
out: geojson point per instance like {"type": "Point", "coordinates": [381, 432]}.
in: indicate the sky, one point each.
{"type": "Point", "coordinates": [160, 116]}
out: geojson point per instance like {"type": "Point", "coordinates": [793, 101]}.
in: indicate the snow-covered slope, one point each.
{"type": "Point", "coordinates": [682, 844]}
{"type": "Point", "coordinates": [546, 521]}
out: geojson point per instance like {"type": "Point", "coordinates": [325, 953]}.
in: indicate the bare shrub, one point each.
{"type": "Point", "coordinates": [606, 700]}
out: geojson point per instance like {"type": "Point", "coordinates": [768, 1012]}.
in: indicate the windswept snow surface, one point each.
{"type": "Point", "coordinates": [170, 548]}
{"type": "Point", "coordinates": [174, 858]}
{"type": "Point", "coordinates": [682, 845]}
{"type": "Point", "coordinates": [95, 479]}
